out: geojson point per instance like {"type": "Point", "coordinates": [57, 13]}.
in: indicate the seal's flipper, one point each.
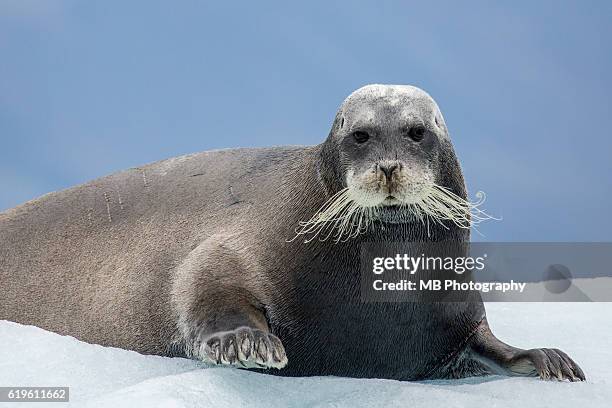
{"type": "Point", "coordinates": [501, 358]}
{"type": "Point", "coordinates": [221, 317]}
{"type": "Point", "coordinates": [245, 348]}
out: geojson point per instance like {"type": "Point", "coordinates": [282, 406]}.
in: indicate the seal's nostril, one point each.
{"type": "Point", "coordinates": [389, 169]}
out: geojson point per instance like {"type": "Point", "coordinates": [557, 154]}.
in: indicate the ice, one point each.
{"type": "Point", "coordinates": [107, 377]}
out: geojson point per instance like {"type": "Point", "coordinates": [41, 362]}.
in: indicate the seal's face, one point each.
{"type": "Point", "coordinates": [389, 141]}
{"type": "Point", "coordinates": [389, 158]}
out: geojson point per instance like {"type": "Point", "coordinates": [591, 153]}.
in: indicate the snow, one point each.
{"type": "Point", "coordinates": [108, 377]}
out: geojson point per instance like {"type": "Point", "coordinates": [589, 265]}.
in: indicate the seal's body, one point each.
{"type": "Point", "coordinates": [194, 255]}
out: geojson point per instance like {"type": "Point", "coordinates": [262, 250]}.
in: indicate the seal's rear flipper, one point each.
{"type": "Point", "coordinates": [501, 358]}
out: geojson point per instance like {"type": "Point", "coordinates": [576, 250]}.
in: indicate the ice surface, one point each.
{"type": "Point", "coordinates": [106, 377]}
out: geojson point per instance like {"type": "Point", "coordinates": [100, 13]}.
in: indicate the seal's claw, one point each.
{"type": "Point", "coordinates": [550, 364]}
{"type": "Point", "coordinates": [247, 348]}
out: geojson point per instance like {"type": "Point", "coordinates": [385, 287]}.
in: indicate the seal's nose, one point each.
{"type": "Point", "coordinates": [388, 169]}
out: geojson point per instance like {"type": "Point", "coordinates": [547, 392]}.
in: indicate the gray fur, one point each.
{"type": "Point", "coordinates": [190, 256]}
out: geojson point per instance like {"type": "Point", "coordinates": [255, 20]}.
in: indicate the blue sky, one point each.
{"type": "Point", "coordinates": [89, 88]}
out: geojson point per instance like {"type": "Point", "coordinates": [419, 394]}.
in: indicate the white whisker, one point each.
{"type": "Point", "coordinates": [344, 218]}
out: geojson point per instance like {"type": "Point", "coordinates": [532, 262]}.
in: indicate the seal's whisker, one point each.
{"type": "Point", "coordinates": [441, 204]}
{"type": "Point", "coordinates": [344, 218]}
{"type": "Point", "coordinates": [331, 216]}
{"type": "Point", "coordinates": [338, 224]}
{"type": "Point", "coordinates": [346, 222]}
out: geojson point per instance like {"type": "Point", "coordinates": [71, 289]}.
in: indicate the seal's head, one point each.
{"type": "Point", "coordinates": [388, 138]}
{"type": "Point", "coordinates": [389, 158]}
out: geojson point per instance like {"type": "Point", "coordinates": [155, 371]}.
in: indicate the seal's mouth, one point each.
{"type": "Point", "coordinates": [384, 186]}
{"type": "Point", "coordinates": [391, 201]}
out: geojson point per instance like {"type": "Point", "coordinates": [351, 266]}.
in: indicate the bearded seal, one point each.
{"type": "Point", "coordinates": [193, 256]}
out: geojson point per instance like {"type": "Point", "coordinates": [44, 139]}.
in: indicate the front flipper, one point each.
{"type": "Point", "coordinates": [500, 358]}
{"type": "Point", "coordinates": [220, 307]}
{"type": "Point", "coordinates": [245, 347]}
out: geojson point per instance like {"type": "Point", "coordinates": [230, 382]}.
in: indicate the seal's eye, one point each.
{"type": "Point", "coordinates": [417, 133]}
{"type": "Point", "coordinates": [360, 136]}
